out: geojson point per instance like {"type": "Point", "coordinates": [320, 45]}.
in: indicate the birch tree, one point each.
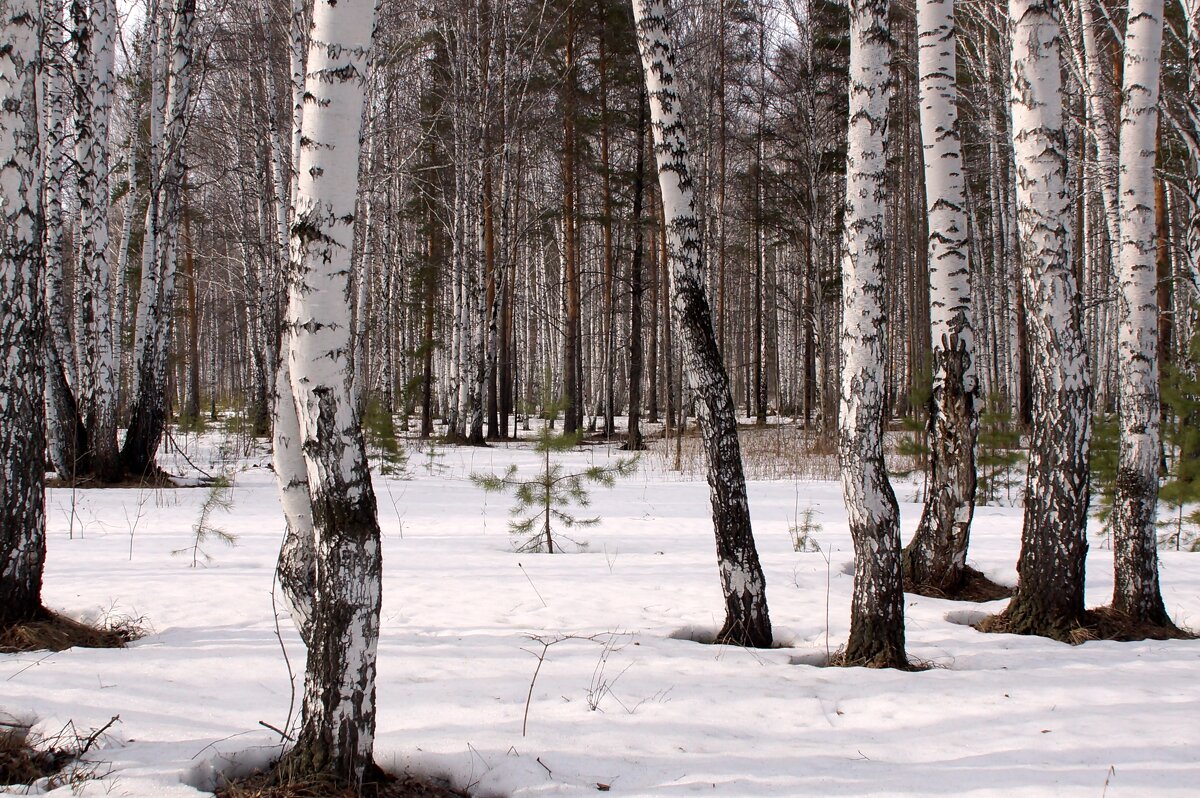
{"type": "Point", "coordinates": [93, 36]}
{"type": "Point", "coordinates": [171, 92]}
{"type": "Point", "coordinates": [877, 605]}
{"type": "Point", "coordinates": [1049, 597]}
{"type": "Point", "coordinates": [936, 557]}
{"type": "Point", "coordinates": [1135, 534]}
{"type": "Point", "coordinates": [22, 422]}
{"type": "Point", "coordinates": [336, 738]}
{"type": "Point", "coordinates": [747, 621]}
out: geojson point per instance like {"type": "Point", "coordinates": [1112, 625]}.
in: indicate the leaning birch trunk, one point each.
{"type": "Point", "coordinates": [94, 35]}
{"type": "Point", "coordinates": [877, 605]}
{"type": "Point", "coordinates": [1049, 597]}
{"type": "Point", "coordinates": [22, 419]}
{"type": "Point", "coordinates": [149, 415]}
{"type": "Point", "coordinates": [1135, 534]}
{"type": "Point", "coordinates": [296, 569]}
{"type": "Point", "coordinates": [336, 737]}
{"type": "Point", "coordinates": [936, 559]}
{"type": "Point", "coordinates": [747, 621]}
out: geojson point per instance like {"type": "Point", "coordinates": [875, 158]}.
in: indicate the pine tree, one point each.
{"type": "Point", "coordinates": [542, 510]}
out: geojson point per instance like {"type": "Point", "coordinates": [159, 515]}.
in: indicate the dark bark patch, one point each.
{"type": "Point", "coordinates": [53, 632]}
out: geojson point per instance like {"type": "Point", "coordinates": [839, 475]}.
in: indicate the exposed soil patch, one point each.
{"type": "Point", "coordinates": [1103, 623]}
{"type": "Point", "coordinates": [377, 785]}
{"type": "Point", "coordinates": [974, 587]}
{"type": "Point", "coordinates": [54, 632]}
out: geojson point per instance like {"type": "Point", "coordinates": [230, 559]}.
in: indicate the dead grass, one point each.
{"type": "Point", "coordinates": [381, 785]}
{"type": "Point", "coordinates": [1102, 623]}
{"type": "Point", "coordinates": [27, 759]}
{"type": "Point", "coordinates": [974, 587]}
{"type": "Point", "coordinates": [54, 632]}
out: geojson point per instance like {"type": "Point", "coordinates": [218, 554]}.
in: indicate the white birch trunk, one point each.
{"type": "Point", "coordinates": [337, 732]}
{"type": "Point", "coordinates": [1191, 13]}
{"type": "Point", "coordinates": [1135, 534]}
{"type": "Point", "coordinates": [94, 33]}
{"type": "Point", "coordinates": [747, 621]}
{"type": "Point", "coordinates": [937, 556]}
{"type": "Point", "coordinates": [1100, 112]}
{"type": "Point", "coordinates": [1049, 598]}
{"type": "Point", "coordinates": [877, 606]}
{"type": "Point", "coordinates": [22, 420]}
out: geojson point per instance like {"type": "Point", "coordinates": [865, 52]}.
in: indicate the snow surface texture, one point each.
{"type": "Point", "coordinates": [999, 715]}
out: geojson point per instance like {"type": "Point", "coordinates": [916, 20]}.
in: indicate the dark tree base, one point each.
{"type": "Point", "coordinates": [734, 633]}
{"type": "Point", "coordinates": [970, 586]}
{"type": "Point", "coordinates": [376, 784]}
{"type": "Point", "coordinates": [1103, 623]}
{"type": "Point", "coordinates": [49, 631]}
{"type": "Point", "coordinates": [883, 658]}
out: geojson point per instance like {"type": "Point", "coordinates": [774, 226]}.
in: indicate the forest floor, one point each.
{"type": "Point", "coordinates": [624, 700]}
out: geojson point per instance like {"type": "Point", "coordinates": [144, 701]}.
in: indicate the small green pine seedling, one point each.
{"type": "Point", "coordinates": [804, 532]}
{"type": "Point", "coordinates": [999, 453]}
{"type": "Point", "coordinates": [543, 504]}
{"type": "Point", "coordinates": [1105, 450]}
{"type": "Point", "coordinates": [1181, 438]}
{"type": "Point", "coordinates": [220, 497]}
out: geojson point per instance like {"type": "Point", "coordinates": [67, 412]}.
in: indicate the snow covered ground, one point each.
{"type": "Point", "coordinates": [622, 697]}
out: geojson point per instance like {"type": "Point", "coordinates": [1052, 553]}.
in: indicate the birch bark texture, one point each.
{"type": "Point", "coordinates": [92, 36]}
{"type": "Point", "coordinates": [22, 419]}
{"type": "Point", "coordinates": [1135, 534]}
{"type": "Point", "coordinates": [336, 738]}
{"type": "Point", "coordinates": [877, 604]}
{"type": "Point", "coordinates": [1049, 596]}
{"type": "Point", "coordinates": [747, 621]}
{"type": "Point", "coordinates": [937, 556]}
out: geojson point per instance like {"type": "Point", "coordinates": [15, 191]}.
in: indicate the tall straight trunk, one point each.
{"type": "Point", "coordinates": [877, 605]}
{"type": "Point", "coordinates": [1135, 533]}
{"type": "Point", "coordinates": [937, 556]}
{"type": "Point", "coordinates": [1191, 12]}
{"type": "Point", "coordinates": [652, 371]}
{"type": "Point", "coordinates": [572, 390]}
{"type": "Point", "coordinates": [22, 324]}
{"type": "Point", "coordinates": [608, 323]}
{"type": "Point", "coordinates": [93, 36]}
{"type": "Point", "coordinates": [1049, 597]}
{"type": "Point", "coordinates": [65, 430]}
{"type": "Point", "coordinates": [668, 350]}
{"type": "Point", "coordinates": [1100, 115]}
{"type": "Point", "coordinates": [633, 437]}
{"type": "Point", "coordinates": [747, 621]}
{"type": "Point", "coordinates": [336, 737]}
{"type": "Point", "coordinates": [191, 410]}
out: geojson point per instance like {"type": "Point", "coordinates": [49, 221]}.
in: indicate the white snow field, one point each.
{"type": "Point", "coordinates": [622, 698]}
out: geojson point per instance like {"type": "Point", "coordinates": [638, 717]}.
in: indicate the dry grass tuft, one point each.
{"type": "Point", "coordinates": [54, 632]}
{"type": "Point", "coordinates": [974, 587]}
{"type": "Point", "coordinates": [1103, 623]}
{"type": "Point", "coordinates": [380, 785]}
